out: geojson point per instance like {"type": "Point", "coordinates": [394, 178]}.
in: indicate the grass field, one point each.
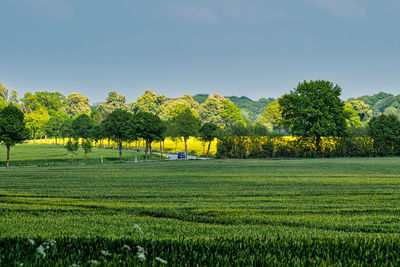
{"type": "Point", "coordinates": [342, 211]}
{"type": "Point", "coordinates": [53, 155]}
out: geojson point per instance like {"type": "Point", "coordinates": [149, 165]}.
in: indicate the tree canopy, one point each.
{"type": "Point", "coordinates": [12, 128]}
{"type": "Point", "coordinates": [117, 127]}
{"type": "Point", "coordinates": [314, 109]}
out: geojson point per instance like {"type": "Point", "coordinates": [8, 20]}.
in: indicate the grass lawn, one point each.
{"type": "Point", "coordinates": [53, 155]}
{"type": "Point", "coordinates": [219, 212]}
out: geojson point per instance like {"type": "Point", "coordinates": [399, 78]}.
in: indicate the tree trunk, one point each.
{"type": "Point", "coordinates": [318, 146]}
{"type": "Point", "coordinates": [56, 139]}
{"type": "Point", "coordinates": [120, 151]}
{"type": "Point", "coordinates": [63, 141]}
{"type": "Point", "coordinates": [161, 150]}
{"type": "Point", "coordinates": [8, 157]}
{"type": "Point", "coordinates": [151, 152]}
{"type": "Point", "coordinates": [108, 143]}
{"type": "Point", "coordinates": [34, 135]}
{"type": "Point", "coordinates": [147, 147]}
{"type": "Point", "coordinates": [208, 149]}
{"type": "Point", "coordinates": [185, 148]}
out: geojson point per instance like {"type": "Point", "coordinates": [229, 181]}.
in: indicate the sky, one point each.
{"type": "Point", "coordinates": [255, 48]}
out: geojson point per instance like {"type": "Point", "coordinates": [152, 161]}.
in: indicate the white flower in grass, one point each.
{"type": "Point", "coordinates": [105, 253]}
{"type": "Point", "coordinates": [161, 260]}
{"type": "Point", "coordinates": [40, 250]}
{"type": "Point", "coordinates": [74, 265]}
{"type": "Point", "coordinates": [126, 247]}
{"type": "Point", "coordinates": [141, 253]}
{"type": "Point", "coordinates": [31, 241]}
{"type": "Point", "coordinates": [93, 262]}
{"type": "Point", "coordinates": [137, 227]}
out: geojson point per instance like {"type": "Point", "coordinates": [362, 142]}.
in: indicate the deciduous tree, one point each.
{"type": "Point", "coordinates": [207, 133]}
{"type": "Point", "coordinates": [314, 109]}
{"type": "Point", "coordinates": [12, 128]}
{"type": "Point", "coordinates": [117, 127]}
{"type": "Point", "coordinates": [385, 130]}
{"type": "Point", "coordinates": [147, 126]}
{"type": "Point", "coordinates": [187, 124]}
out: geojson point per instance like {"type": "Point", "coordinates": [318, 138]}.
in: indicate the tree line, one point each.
{"type": "Point", "coordinates": [312, 110]}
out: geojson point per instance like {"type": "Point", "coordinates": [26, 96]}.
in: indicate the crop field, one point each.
{"type": "Point", "coordinates": [340, 211]}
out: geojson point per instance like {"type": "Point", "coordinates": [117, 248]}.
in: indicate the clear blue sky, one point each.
{"type": "Point", "coordinates": [257, 48]}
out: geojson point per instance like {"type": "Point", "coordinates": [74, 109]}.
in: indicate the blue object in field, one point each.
{"type": "Point", "coordinates": [181, 155]}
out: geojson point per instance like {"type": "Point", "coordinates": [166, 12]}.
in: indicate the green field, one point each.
{"type": "Point", "coordinates": [55, 155]}
{"type": "Point", "coordinates": [342, 211]}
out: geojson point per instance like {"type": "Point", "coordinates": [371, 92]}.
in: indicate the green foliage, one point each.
{"type": "Point", "coordinates": [150, 102]}
{"type": "Point", "coordinates": [87, 146]}
{"type": "Point", "coordinates": [273, 115]}
{"type": "Point", "coordinates": [324, 212]}
{"type": "Point", "coordinates": [53, 127]}
{"type": "Point", "coordinates": [51, 101]}
{"type": "Point", "coordinates": [242, 147]}
{"type": "Point", "coordinates": [3, 103]}
{"type": "Point", "coordinates": [113, 102]}
{"type": "Point", "coordinates": [200, 98]}
{"type": "Point", "coordinates": [37, 120]}
{"type": "Point", "coordinates": [147, 126]}
{"type": "Point", "coordinates": [250, 110]}
{"type": "Point", "coordinates": [72, 146]}
{"type": "Point", "coordinates": [82, 126]}
{"type": "Point", "coordinates": [66, 130]}
{"type": "Point", "coordinates": [3, 92]}
{"type": "Point", "coordinates": [362, 110]}
{"type": "Point", "coordinates": [353, 118]}
{"type": "Point", "coordinates": [76, 104]}
{"type": "Point", "coordinates": [231, 114]}
{"type": "Point", "coordinates": [314, 109]}
{"type": "Point", "coordinates": [210, 110]}
{"type": "Point", "coordinates": [12, 126]}
{"type": "Point", "coordinates": [186, 122]}
{"type": "Point", "coordinates": [117, 127]}
{"type": "Point", "coordinates": [207, 133]}
{"type": "Point", "coordinates": [13, 98]}
{"type": "Point", "coordinates": [385, 130]}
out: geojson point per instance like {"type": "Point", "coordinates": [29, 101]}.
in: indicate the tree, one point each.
{"type": "Point", "coordinates": [113, 102]}
{"type": "Point", "coordinates": [207, 133]}
{"type": "Point", "coordinates": [66, 129]}
{"type": "Point", "coordinates": [117, 127]}
{"type": "Point", "coordinates": [187, 124]}
{"type": "Point", "coordinates": [52, 101]}
{"type": "Point", "coordinates": [362, 110]}
{"type": "Point", "coordinates": [314, 109]}
{"type": "Point", "coordinates": [36, 121]}
{"type": "Point", "coordinates": [13, 98]}
{"type": "Point", "coordinates": [385, 130]}
{"type": "Point", "coordinates": [72, 146]}
{"type": "Point", "coordinates": [149, 102]}
{"type": "Point", "coordinates": [82, 125]}
{"type": "Point", "coordinates": [148, 126]}
{"type": "Point", "coordinates": [3, 92]}
{"type": "Point", "coordinates": [210, 110]}
{"type": "Point", "coordinates": [231, 114]}
{"type": "Point", "coordinates": [87, 146]}
{"type": "Point", "coordinates": [353, 119]}
{"type": "Point", "coordinates": [12, 128]}
{"type": "Point", "coordinates": [54, 124]}
{"type": "Point", "coordinates": [76, 104]}
{"type": "Point", "coordinates": [272, 115]}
